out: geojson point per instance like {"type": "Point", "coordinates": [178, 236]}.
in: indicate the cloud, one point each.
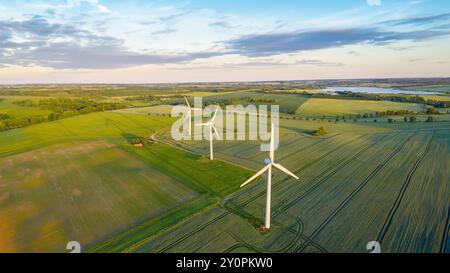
{"type": "Point", "coordinates": [273, 44]}
{"type": "Point", "coordinates": [418, 20]}
{"type": "Point", "coordinates": [95, 3]}
{"type": "Point", "coordinates": [222, 24]}
{"type": "Point", "coordinates": [67, 47]}
{"type": "Point", "coordinates": [318, 63]}
{"type": "Point", "coordinates": [373, 2]}
{"type": "Point", "coordinates": [163, 31]}
{"type": "Point", "coordinates": [103, 9]}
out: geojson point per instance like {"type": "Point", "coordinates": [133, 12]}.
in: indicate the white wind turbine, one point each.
{"type": "Point", "coordinates": [210, 123]}
{"type": "Point", "coordinates": [189, 114]}
{"type": "Point", "coordinates": [270, 162]}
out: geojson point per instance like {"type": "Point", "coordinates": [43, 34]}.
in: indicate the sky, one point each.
{"type": "Point", "coordinates": [137, 41]}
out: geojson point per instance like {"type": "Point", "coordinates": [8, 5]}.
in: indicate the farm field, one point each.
{"type": "Point", "coordinates": [88, 189]}
{"type": "Point", "coordinates": [346, 196]}
{"type": "Point", "coordinates": [334, 107]}
{"type": "Point", "coordinates": [80, 178]}
{"type": "Point", "coordinates": [158, 109]}
{"type": "Point", "coordinates": [7, 106]}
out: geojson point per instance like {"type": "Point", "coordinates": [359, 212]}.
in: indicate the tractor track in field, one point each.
{"type": "Point", "coordinates": [243, 151]}
{"type": "Point", "coordinates": [302, 236]}
{"type": "Point", "coordinates": [334, 169]}
{"type": "Point", "coordinates": [354, 192]}
{"type": "Point", "coordinates": [247, 201]}
{"type": "Point", "coordinates": [398, 200]}
{"type": "Point", "coordinates": [445, 235]}
{"type": "Point", "coordinates": [192, 232]}
{"type": "Point", "coordinates": [241, 243]}
{"type": "Point", "coordinates": [303, 149]}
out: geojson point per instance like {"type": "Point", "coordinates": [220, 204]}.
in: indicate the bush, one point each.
{"type": "Point", "coordinates": [432, 111]}
{"type": "Point", "coordinates": [319, 132]}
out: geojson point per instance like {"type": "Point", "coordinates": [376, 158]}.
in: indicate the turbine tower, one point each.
{"type": "Point", "coordinates": [189, 114]}
{"type": "Point", "coordinates": [270, 163]}
{"type": "Point", "coordinates": [211, 126]}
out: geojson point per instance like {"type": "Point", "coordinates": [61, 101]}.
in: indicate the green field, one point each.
{"type": "Point", "coordinates": [334, 107]}
{"type": "Point", "coordinates": [354, 188]}
{"type": "Point", "coordinates": [79, 178]}
{"type": "Point", "coordinates": [93, 183]}
{"type": "Point", "coordinates": [8, 107]}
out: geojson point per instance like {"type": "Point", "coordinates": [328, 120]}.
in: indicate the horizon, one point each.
{"type": "Point", "coordinates": [227, 82]}
{"type": "Point", "coordinates": [175, 42]}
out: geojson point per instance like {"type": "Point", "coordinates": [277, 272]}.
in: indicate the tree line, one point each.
{"type": "Point", "coordinates": [386, 97]}
{"type": "Point", "coordinates": [60, 108]}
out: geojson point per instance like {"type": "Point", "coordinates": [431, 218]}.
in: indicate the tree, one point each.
{"type": "Point", "coordinates": [390, 120]}
{"type": "Point", "coordinates": [405, 119]}
{"type": "Point", "coordinates": [319, 132]}
{"type": "Point", "coordinates": [429, 119]}
{"type": "Point", "coordinates": [412, 119]}
{"type": "Point", "coordinates": [36, 119]}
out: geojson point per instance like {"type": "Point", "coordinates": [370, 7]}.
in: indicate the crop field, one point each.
{"type": "Point", "coordinates": [355, 186]}
{"type": "Point", "coordinates": [80, 178]}
{"type": "Point", "coordinates": [334, 107]}
{"type": "Point", "coordinates": [288, 103]}
{"type": "Point", "coordinates": [87, 189]}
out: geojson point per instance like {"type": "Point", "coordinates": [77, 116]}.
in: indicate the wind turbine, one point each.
{"type": "Point", "coordinates": [269, 164]}
{"type": "Point", "coordinates": [210, 123]}
{"type": "Point", "coordinates": [189, 114]}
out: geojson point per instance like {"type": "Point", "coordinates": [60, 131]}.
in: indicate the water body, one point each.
{"type": "Point", "coordinates": [375, 90]}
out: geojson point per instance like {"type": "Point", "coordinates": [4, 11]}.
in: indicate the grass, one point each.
{"type": "Point", "coordinates": [67, 184]}
{"type": "Point", "coordinates": [83, 190]}
{"type": "Point", "coordinates": [86, 127]}
{"type": "Point", "coordinates": [334, 107]}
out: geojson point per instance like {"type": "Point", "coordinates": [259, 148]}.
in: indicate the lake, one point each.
{"type": "Point", "coordinates": [376, 90]}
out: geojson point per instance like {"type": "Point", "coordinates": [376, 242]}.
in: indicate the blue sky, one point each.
{"type": "Point", "coordinates": [137, 41]}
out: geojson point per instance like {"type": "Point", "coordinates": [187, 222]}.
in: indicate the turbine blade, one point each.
{"type": "Point", "coordinates": [187, 102]}
{"type": "Point", "coordinates": [215, 113]}
{"type": "Point", "coordinates": [188, 115]}
{"type": "Point", "coordinates": [256, 175]}
{"type": "Point", "coordinates": [215, 131]}
{"type": "Point", "coordinates": [272, 144]}
{"type": "Point", "coordinates": [283, 169]}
